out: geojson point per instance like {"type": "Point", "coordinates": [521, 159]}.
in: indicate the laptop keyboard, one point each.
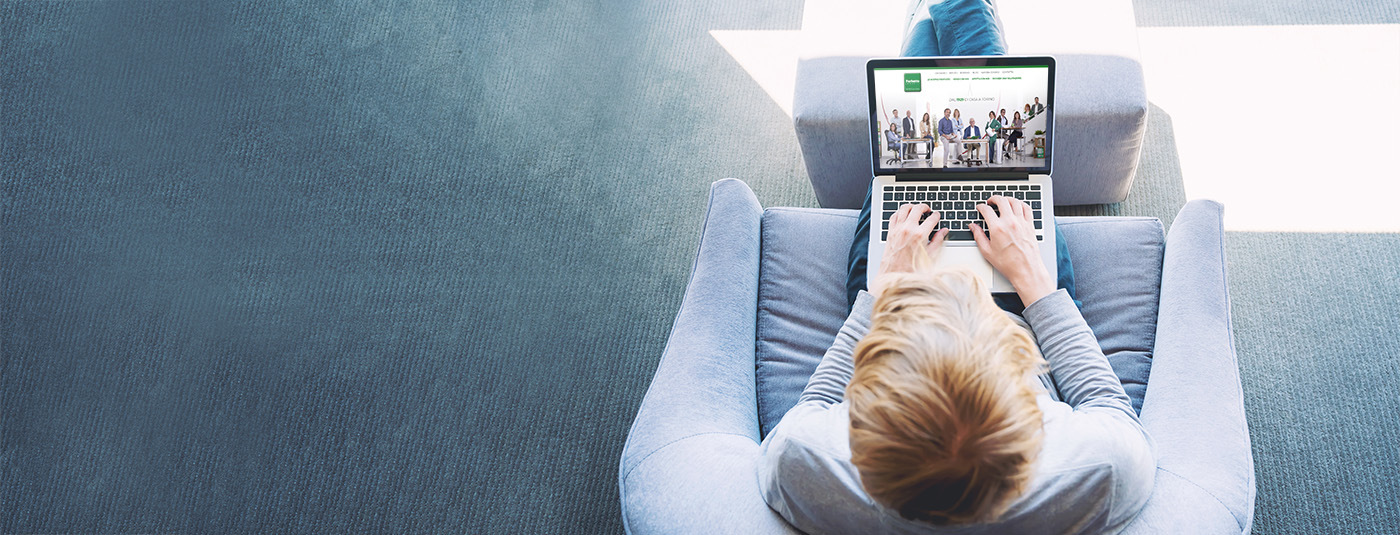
{"type": "Point", "coordinates": [958, 205]}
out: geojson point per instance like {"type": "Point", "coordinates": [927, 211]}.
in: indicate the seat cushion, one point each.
{"type": "Point", "coordinates": [802, 302]}
{"type": "Point", "coordinates": [1118, 277]}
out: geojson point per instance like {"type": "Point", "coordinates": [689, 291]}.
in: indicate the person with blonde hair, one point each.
{"type": "Point", "coordinates": [935, 410]}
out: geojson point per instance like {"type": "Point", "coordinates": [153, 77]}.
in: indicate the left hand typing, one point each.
{"type": "Point", "coordinates": [909, 239]}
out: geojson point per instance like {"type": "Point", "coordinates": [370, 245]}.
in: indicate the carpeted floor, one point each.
{"type": "Point", "coordinates": [279, 267]}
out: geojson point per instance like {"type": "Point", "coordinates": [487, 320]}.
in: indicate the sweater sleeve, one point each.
{"type": "Point", "coordinates": [1077, 363]}
{"type": "Point", "coordinates": [828, 383]}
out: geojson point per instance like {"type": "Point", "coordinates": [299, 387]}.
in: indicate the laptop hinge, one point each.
{"type": "Point", "coordinates": [983, 175]}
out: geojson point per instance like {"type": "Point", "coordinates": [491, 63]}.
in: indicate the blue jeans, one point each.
{"type": "Point", "coordinates": [859, 258]}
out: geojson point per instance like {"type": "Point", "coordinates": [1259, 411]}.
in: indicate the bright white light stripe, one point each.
{"type": "Point", "coordinates": [829, 27]}
{"type": "Point", "coordinates": [769, 56]}
{"type": "Point", "coordinates": [1264, 115]}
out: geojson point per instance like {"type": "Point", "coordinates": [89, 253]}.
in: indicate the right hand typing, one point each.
{"type": "Point", "coordinates": [1009, 245]}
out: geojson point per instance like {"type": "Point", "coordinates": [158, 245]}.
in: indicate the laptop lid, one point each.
{"type": "Point", "coordinates": [974, 86]}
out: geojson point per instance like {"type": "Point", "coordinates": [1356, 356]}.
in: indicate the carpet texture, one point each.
{"type": "Point", "coordinates": [373, 266]}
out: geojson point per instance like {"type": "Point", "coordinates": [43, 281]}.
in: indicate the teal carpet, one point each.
{"type": "Point", "coordinates": [380, 267]}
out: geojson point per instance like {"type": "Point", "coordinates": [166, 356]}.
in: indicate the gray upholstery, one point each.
{"type": "Point", "coordinates": [765, 300]}
{"type": "Point", "coordinates": [829, 113]}
{"type": "Point", "coordinates": [1194, 407]}
{"type": "Point", "coordinates": [1100, 118]}
{"type": "Point", "coordinates": [1118, 276]}
{"type": "Point", "coordinates": [1100, 100]}
{"type": "Point", "coordinates": [799, 309]}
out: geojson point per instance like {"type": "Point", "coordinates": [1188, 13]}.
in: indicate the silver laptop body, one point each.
{"type": "Point", "coordinates": [978, 164]}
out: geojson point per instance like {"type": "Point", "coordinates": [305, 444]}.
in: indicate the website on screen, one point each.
{"type": "Point", "coordinates": [940, 117]}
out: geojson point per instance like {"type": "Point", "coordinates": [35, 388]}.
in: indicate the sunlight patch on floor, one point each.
{"type": "Point", "coordinates": [1263, 116]}
{"type": "Point", "coordinates": [769, 56]}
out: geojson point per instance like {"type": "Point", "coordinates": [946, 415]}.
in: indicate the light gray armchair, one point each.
{"type": "Point", "coordinates": [766, 298]}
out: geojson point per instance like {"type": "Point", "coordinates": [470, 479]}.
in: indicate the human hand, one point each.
{"type": "Point", "coordinates": [909, 246]}
{"type": "Point", "coordinates": [1010, 246]}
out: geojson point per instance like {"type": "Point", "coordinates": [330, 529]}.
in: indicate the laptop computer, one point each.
{"type": "Point", "coordinates": [952, 177]}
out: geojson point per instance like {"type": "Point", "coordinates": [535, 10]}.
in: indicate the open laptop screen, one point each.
{"type": "Point", "coordinates": [951, 101]}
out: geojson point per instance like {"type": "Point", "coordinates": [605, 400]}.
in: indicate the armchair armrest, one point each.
{"type": "Point", "coordinates": [1194, 406]}
{"type": "Point", "coordinates": [688, 464]}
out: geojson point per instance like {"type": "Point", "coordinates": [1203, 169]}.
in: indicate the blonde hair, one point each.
{"type": "Point", "coordinates": [944, 422]}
